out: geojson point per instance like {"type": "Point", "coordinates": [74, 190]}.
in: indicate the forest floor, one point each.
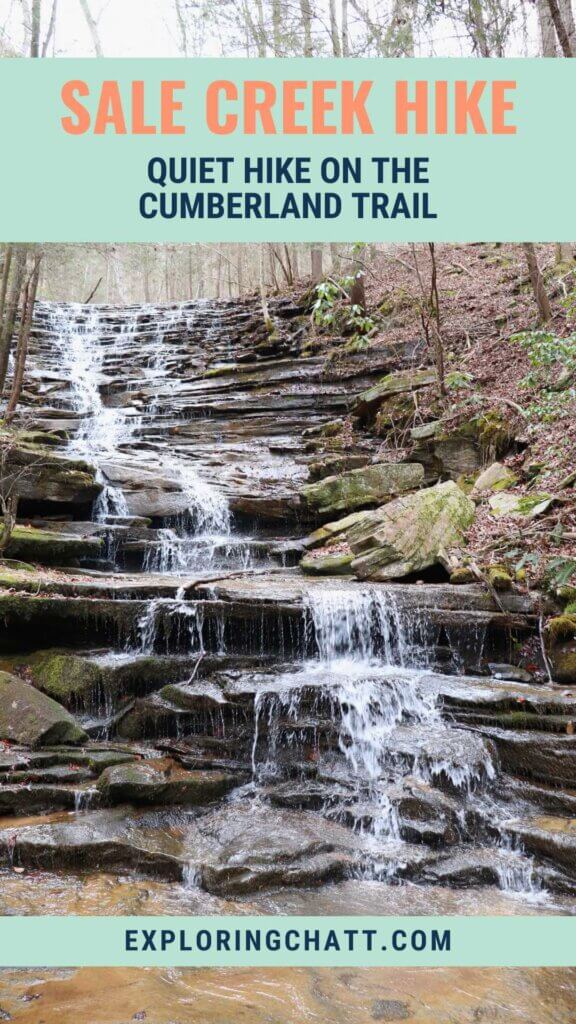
{"type": "Point", "coordinates": [486, 302]}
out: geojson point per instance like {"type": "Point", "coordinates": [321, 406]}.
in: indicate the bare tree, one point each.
{"type": "Point", "coordinates": [316, 262]}
{"type": "Point", "coordinates": [35, 29]}
{"type": "Point", "coordinates": [92, 27]}
{"type": "Point", "coordinates": [11, 310]}
{"type": "Point", "coordinates": [182, 28]}
{"type": "Point", "coordinates": [537, 282]}
{"type": "Point", "coordinates": [561, 28]}
{"type": "Point", "coordinates": [430, 313]}
{"type": "Point", "coordinates": [306, 16]}
{"type": "Point", "coordinates": [28, 302]}
{"type": "Point", "coordinates": [334, 34]}
{"type": "Point", "coordinates": [51, 28]}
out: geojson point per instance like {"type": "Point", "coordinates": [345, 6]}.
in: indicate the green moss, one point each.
{"type": "Point", "coordinates": [564, 666]}
{"type": "Point", "coordinates": [462, 575]}
{"type": "Point", "coordinates": [570, 608]}
{"type": "Point", "coordinates": [48, 547]}
{"type": "Point", "coordinates": [328, 564]}
{"type": "Point", "coordinates": [499, 577]}
{"type": "Point", "coordinates": [562, 627]}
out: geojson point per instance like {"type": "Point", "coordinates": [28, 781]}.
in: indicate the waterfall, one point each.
{"type": "Point", "coordinates": [85, 337]}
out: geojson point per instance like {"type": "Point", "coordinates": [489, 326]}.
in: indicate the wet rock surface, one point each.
{"type": "Point", "coordinates": [184, 704]}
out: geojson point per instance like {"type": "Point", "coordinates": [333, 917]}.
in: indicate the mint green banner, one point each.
{"type": "Point", "coordinates": [488, 152]}
{"type": "Point", "coordinates": [288, 941]}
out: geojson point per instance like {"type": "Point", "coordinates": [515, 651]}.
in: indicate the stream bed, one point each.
{"type": "Point", "coordinates": [256, 740]}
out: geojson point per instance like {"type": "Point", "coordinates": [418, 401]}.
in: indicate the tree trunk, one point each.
{"type": "Point", "coordinates": [334, 34]}
{"type": "Point", "coordinates": [9, 507]}
{"type": "Point", "coordinates": [263, 298]}
{"type": "Point", "coordinates": [358, 291]}
{"type": "Point", "coordinates": [11, 313]}
{"type": "Point", "coordinates": [345, 35]}
{"type": "Point", "coordinates": [547, 30]}
{"type": "Point", "coordinates": [277, 27]}
{"type": "Point", "coordinates": [35, 33]}
{"type": "Point", "coordinates": [561, 29]}
{"type": "Point", "coordinates": [537, 282]}
{"type": "Point", "coordinates": [261, 29]}
{"type": "Point", "coordinates": [316, 263]}
{"type": "Point", "coordinates": [5, 278]}
{"type": "Point", "coordinates": [478, 27]}
{"type": "Point", "coordinates": [569, 24]}
{"type": "Point", "coordinates": [92, 28]}
{"type": "Point", "coordinates": [182, 29]}
{"type": "Point", "coordinates": [23, 338]}
{"type": "Point", "coordinates": [306, 16]}
{"type": "Point", "coordinates": [51, 28]}
{"type": "Point", "coordinates": [435, 322]}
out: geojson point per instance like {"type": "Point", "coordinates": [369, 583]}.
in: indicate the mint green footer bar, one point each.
{"type": "Point", "coordinates": [287, 941]}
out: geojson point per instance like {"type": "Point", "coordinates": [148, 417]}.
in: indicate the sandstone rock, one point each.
{"type": "Point", "coordinates": [328, 563]}
{"type": "Point", "coordinates": [362, 488]}
{"type": "Point", "coordinates": [561, 644]}
{"type": "Point", "coordinates": [410, 534]}
{"type": "Point", "coordinates": [50, 547]}
{"type": "Point", "coordinates": [148, 783]}
{"type": "Point", "coordinates": [46, 476]}
{"type": "Point", "coordinates": [30, 717]}
{"type": "Point", "coordinates": [495, 478]}
{"type": "Point", "coordinates": [519, 506]}
{"type": "Point", "coordinates": [393, 384]}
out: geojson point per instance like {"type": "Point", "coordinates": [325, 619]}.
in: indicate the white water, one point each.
{"type": "Point", "coordinates": [106, 433]}
{"type": "Point", "coordinates": [369, 677]}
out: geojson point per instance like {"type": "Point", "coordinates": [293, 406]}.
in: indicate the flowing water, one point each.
{"type": "Point", "coordinates": [331, 709]}
{"type": "Point", "coordinates": [363, 673]}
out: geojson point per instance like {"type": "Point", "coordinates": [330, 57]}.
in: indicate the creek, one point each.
{"type": "Point", "coordinates": [259, 740]}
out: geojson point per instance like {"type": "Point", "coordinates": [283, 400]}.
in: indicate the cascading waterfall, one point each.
{"type": "Point", "coordinates": [369, 675]}
{"type": "Point", "coordinates": [83, 338]}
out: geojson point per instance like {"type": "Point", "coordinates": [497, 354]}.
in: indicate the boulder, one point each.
{"type": "Point", "coordinates": [65, 677]}
{"type": "Point", "coordinates": [495, 478]}
{"type": "Point", "coordinates": [33, 719]}
{"type": "Point", "coordinates": [402, 382]}
{"type": "Point", "coordinates": [410, 534]}
{"type": "Point", "coordinates": [143, 782]}
{"type": "Point", "coordinates": [362, 488]}
{"type": "Point", "coordinates": [519, 506]}
{"type": "Point", "coordinates": [329, 531]}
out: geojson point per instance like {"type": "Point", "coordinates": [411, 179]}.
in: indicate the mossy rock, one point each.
{"type": "Point", "coordinates": [394, 413]}
{"type": "Point", "coordinates": [401, 382]}
{"type": "Point", "coordinates": [411, 533]}
{"type": "Point", "coordinates": [329, 429]}
{"type": "Point", "coordinates": [46, 476]}
{"type": "Point", "coordinates": [499, 577]}
{"type": "Point", "coordinates": [563, 663]}
{"type": "Point", "coordinates": [66, 677]}
{"type": "Point", "coordinates": [561, 627]}
{"type": "Point", "coordinates": [519, 506]}
{"type": "Point", "coordinates": [30, 717]}
{"type": "Point", "coordinates": [462, 575]}
{"type": "Point", "coordinates": [495, 478]}
{"type": "Point", "coordinates": [50, 548]}
{"type": "Point", "coordinates": [362, 488]}
{"type": "Point", "coordinates": [146, 783]}
{"type": "Point", "coordinates": [337, 563]}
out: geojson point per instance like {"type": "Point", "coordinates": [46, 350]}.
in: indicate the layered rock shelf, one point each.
{"type": "Point", "coordinates": [239, 651]}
